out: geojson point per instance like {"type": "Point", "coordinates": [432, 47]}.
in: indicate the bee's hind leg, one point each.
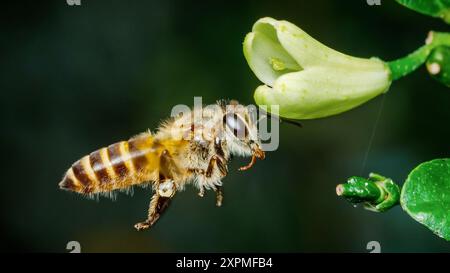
{"type": "Point", "coordinates": [158, 204]}
{"type": "Point", "coordinates": [165, 190]}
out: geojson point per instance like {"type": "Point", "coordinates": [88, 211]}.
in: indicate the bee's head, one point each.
{"type": "Point", "coordinates": [241, 131]}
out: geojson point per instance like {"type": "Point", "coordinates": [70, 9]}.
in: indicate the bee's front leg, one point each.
{"type": "Point", "coordinates": [220, 163]}
{"type": "Point", "coordinates": [219, 196]}
{"type": "Point", "coordinates": [158, 204]}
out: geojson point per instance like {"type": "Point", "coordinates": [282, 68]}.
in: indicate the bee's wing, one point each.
{"type": "Point", "coordinates": [160, 158]}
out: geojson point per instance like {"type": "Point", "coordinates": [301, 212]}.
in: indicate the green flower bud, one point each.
{"type": "Point", "coordinates": [438, 64]}
{"type": "Point", "coordinates": [378, 193]}
{"type": "Point", "coordinates": [306, 78]}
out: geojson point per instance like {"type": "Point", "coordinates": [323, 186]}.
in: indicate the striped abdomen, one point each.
{"type": "Point", "coordinates": [117, 166]}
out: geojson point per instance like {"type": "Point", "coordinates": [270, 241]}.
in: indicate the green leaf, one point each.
{"type": "Point", "coordinates": [435, 8]}
{"type": "Point", "coordinates": [438, 64]}
{"type": "Point", "coordinates": [426, 196]}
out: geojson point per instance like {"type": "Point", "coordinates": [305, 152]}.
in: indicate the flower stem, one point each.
{"type": "Point", "coordinates": [377, 193]}
{"type": "Point", "coordinates": [404, 66]}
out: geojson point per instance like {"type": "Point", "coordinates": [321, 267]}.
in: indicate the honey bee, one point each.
{"type": "Point", "coordinates": [191, 148]}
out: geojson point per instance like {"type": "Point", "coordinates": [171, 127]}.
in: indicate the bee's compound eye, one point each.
{"type": "Point", "coordinates": [166, 189]}
{"type": "Point", "coordinates": [236, 125]}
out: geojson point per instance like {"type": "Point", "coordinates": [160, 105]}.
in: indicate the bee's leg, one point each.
{"type": "Point", "coordinates": [219, 196]}
{"type": "Point", "coordinates": [222, 165]}
{"type": "Point", "coordinates": [165, 190]}
{"type": "Point", "coordinates": [211, 164]}
{"type": "Point", "coordinates": [201, 192]}
{"type": "Point", "coordinates": [216, 160]}
{"type": "Point", "coordinates": [219, 162]}
{"type": "Point", "coordinates": [158, 204]}
{"type": "Point", "coordinates": [220, 157]}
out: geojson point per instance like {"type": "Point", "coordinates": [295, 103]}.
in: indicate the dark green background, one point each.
{"type": "Point", "coordinates": [74, 79]}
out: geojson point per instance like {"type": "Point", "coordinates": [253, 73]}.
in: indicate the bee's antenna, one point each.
{"type": "Point", "coordinates": [289, 121]}
{"type": "Point", "coordinates": [292, 121]}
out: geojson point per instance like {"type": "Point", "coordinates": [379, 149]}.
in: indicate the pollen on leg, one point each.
{"type": "Point", "coordinates": [166, 189]}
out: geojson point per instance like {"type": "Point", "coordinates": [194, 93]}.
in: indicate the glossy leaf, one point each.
{"type": "Point", "coordinates": [435, 8]}
{"type": "Point", "coordinates": [426, 196]}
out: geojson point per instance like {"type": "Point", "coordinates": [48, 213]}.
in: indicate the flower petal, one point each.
{"type": "Point", "coordinates": [307, 51]}
{"type": "Point", "coordinates": [266, 57]}
{"type": "Point", "coordinates": [322, 91]}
